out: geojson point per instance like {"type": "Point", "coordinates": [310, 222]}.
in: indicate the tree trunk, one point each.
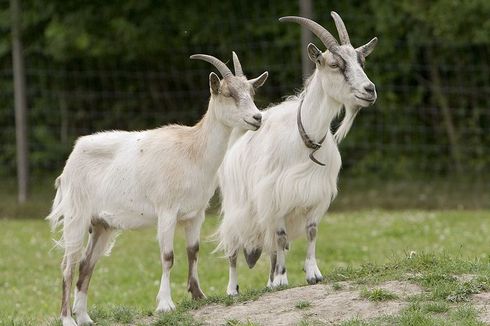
{"type": "Point", "coordinates": [20, 103]}
{"type": "Point", "coordinates": [447, 116]}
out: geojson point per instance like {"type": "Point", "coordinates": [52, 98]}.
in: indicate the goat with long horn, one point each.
{"type": "Point", "coordinates": [278, 183]}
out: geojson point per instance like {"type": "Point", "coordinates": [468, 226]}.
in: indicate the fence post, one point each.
{"type": "Point", "coordinates": [305, 10]}
{"type": "Point", "coordinates": [20, 103]}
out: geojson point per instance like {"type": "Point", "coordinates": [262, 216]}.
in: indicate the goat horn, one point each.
{"type": "Point", "coordinates": [367, 48]}
{"type": "Point", "coordinates": [328, 40]}
{"type": "Point", "coordinates": [222, 68]}
{"type": "Point", "coordinates": [343, 35]}
{"type": "Point", "coordinates": [237, 65]}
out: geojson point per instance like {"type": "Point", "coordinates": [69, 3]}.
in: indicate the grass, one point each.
{"type": "Point", "coordinates": [377, 295]}
{"type": "Point", "coordinates": [364, 247]}
{"type": "Point", "coordinates": [302, 304]}
{"type": "Point", "coordinates": [436, 307]}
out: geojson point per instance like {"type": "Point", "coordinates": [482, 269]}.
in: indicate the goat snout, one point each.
{"type": "Point", "coordinates": [370, 89]}
{"type": "Point", "coordinates": [258, 117]}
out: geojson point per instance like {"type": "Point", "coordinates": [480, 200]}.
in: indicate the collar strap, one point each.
{"type": "Point", "coordinates": [306, 139]}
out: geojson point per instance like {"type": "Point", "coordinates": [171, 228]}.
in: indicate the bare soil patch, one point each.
{"type": "Point", "coordinates": [482, 304]}
{"type": "Point", "coordinates": [327, 305]}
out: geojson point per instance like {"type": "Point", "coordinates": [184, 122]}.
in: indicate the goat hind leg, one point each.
{"type": "Point", "coordinates": [67, 266]}
{"type": "Point", "coordinates": [192, 232]}
{"type": "Point", "coordinates": [99, 239]}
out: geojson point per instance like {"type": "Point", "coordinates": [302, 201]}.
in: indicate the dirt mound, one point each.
{"type": "Point", "coordinates": [319, 302]}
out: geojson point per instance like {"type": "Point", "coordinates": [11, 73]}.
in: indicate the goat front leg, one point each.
{"type": "Point", "coordinates": [280, 277]}
{"type": "Point", "coordinates": [192, 232]}
{"type": "Point", "coordinates": [166, 231]}
{"type": "Point", "coordinates": [233, 288]}
{"type": "Point", "coordinates": [273, 260]}
{"type": "Point", "coordinates": [313, 274]}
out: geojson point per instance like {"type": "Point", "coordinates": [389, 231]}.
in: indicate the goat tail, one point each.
{"type": "Point", "coordinates": [55, 217]}
{"type": "Point", "coordinates": [71, 213]}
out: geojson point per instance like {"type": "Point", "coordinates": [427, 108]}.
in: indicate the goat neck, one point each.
{"type": "Point", "coordinates": [212, 137]}
{"type": "Point", "coordinates": [318, 110]}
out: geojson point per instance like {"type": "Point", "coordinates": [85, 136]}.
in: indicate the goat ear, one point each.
{"type": "Point", "coordinates": [367, 48]}
{"type": "Point", "coordinates": [315, 54]}
{"type": "Point", "coordinates": [214, 83]}
{"type": "Point", "coordinates": [259, 81]}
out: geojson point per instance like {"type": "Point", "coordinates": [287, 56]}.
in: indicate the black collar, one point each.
{"type": "Point", "coordinates": [306, 139]}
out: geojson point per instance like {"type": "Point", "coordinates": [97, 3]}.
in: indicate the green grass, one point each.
{"type": "Point", "coordinates": [364, 247]}
{"type": "Point", "coordinates": [436, 307]}
{"type": "Point", "coordinates": [302, 304]}
{"type": "Point", "coordinates": [377, 295]}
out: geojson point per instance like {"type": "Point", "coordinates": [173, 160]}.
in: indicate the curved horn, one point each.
{"type": "Point", "coordinates": [367, 48]}
{"type": "Point", "coordinates": [222, 68]}
{"type": "Point", "coordinates": [343, 35]}
{"type": "Point", "coordinates": [328, 40]}
{"type": "Point", "coordinates": [237, 65]}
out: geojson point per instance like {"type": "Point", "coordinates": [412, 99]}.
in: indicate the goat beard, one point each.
{"type": "Point", "coordinates": [349, 116]}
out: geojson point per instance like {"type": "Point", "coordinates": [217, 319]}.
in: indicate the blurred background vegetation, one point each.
{"type": "Point", "coordinates": [101, 65]}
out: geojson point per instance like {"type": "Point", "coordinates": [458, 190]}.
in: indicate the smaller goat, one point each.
{"type": "Point", "coordinates": [122, 180]}
{"type": "Point", "coordinates": [278, 182]}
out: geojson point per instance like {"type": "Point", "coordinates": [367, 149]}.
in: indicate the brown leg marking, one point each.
{"type": "Point", "coordinates": [86, 267]}
{"type": "Point", "coordinates": [65, 289]}
{"type": "Point", "coordinates": [233, 259]}
{"type": "Point", "coordinates": [64, 305]}
{"type": "Point", "coordinates": [169, 258]}
{"type": "Point", "coordinates": [192, 284]}
{"type": "Point", "coordinates": [85, 274]}
{"type": "Point", "coordinates": [273, 266]}
{"type": "Point", "coordinates": [195, 290]}
{"type": "Point", "coordinates": [282, 239]}
{"type": "Point", "coordinates": [311, 232]}
{"type": "Point", "coordinates": [280, 269]}
{"type": "Point", "coordinates": [282, 244]}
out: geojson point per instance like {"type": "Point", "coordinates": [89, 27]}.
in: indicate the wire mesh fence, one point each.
{"type": "Point", "coordinates": [431, 119]}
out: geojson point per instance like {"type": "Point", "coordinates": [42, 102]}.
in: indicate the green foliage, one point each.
{"type": "Point", "coordinates": [124, 65]}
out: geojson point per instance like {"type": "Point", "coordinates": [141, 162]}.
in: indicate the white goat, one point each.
{"type": "Point", "coordinates": [279, 181]}
{"type": "Point", "coordinates": [122, 180]}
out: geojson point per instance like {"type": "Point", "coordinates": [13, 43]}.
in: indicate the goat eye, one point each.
{"type": "Point", "coordinates": [333, 65]}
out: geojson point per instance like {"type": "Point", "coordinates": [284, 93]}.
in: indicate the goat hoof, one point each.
{"type": "Point", "coordinates": [280, 280]}
{"type": "Point", "coordinates": [197, 294]}
{"type": "Point", "coordinates": [84, 320]}
{"type": "Point", "coordinates": [165, 306]}
{"type": "Point", "coordinates": [314, 280]}
{"type": "Point", "coordinates": [68, 321]}
{"type": "Point", "coordinates": [234, 292]}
